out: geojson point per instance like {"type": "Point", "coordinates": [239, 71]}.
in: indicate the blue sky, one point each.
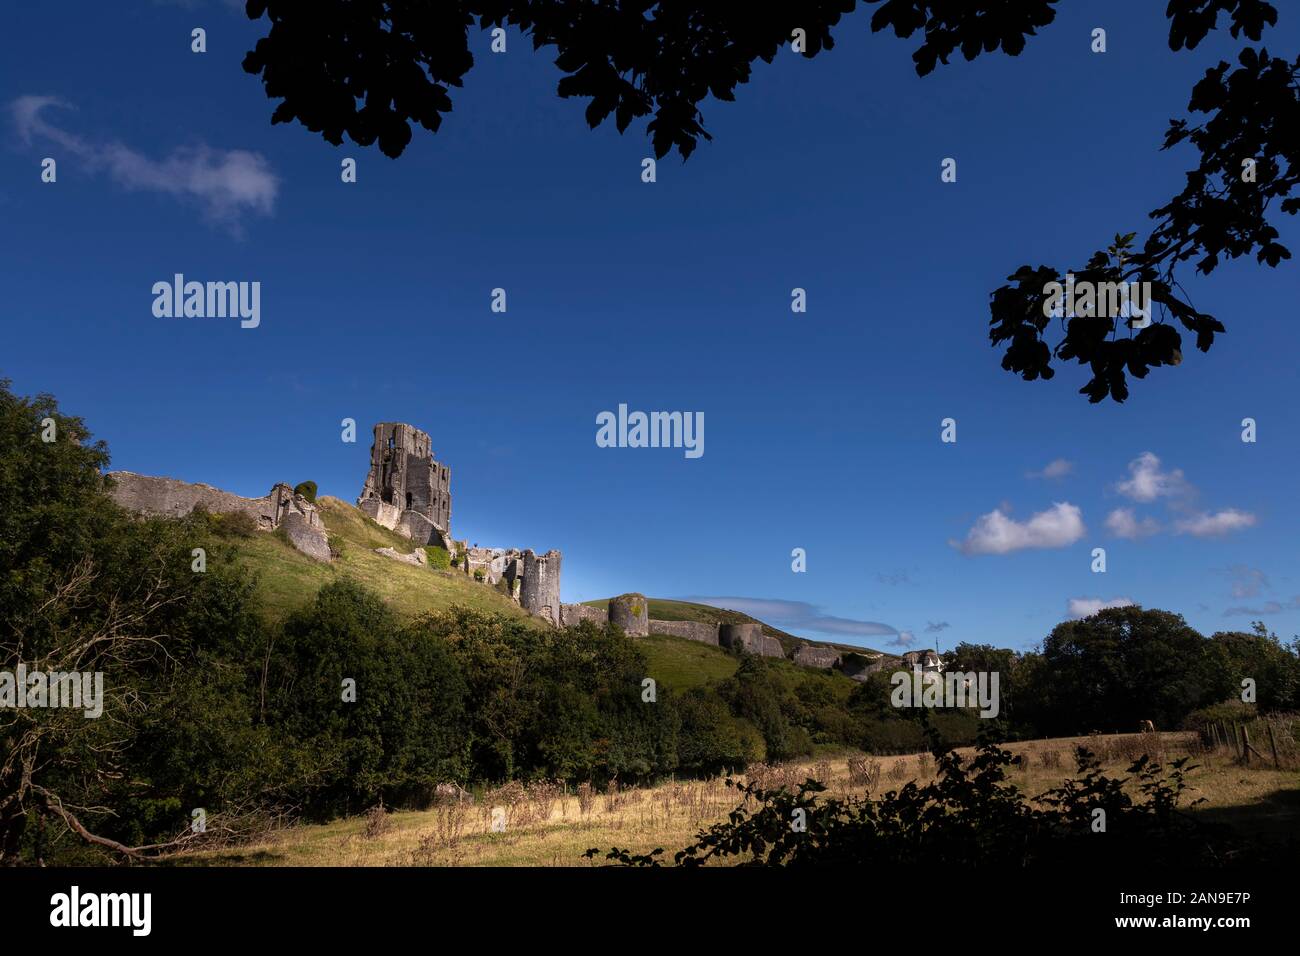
{"type": "Point", "coordinates": [822, 429]}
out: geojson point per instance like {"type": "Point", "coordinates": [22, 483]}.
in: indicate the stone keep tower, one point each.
{"type": "Point", "coordinates": [407, 490]}
{"type": "Point", "coordinates": [540, 591]}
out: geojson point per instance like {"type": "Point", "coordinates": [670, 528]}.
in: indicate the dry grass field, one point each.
{"type": "Point", "coordinates": [543, 825]}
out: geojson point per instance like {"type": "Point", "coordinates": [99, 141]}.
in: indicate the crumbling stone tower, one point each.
{"type": "Point", "coordinates": [540, 591]}
{"type": "Point", "coordinates": [631, 612]}
{"type": "Point", "coordinates": [407, 490]}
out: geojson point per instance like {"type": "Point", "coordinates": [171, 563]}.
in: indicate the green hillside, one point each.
{"type": "Point", "coordinates": [681, 664]}
{"type": "Point", "coordinates": [288, 579]}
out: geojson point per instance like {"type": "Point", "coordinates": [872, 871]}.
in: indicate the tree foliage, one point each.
{"type": "Point", "coordinates": [370, 69]}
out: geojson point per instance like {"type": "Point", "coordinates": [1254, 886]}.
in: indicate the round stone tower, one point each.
{"type": "Point", "coordinates": [631, 612]}
{"type": "Point", "coordinates": [539, 592]}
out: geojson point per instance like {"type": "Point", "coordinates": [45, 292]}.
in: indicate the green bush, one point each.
{"type": "Point", "coordinates": [439, 558]}
{"type": "Point", "coordinates": [236, 524]}
{"type": "Point", "coordinates": [1227, 712]}
{"type": "Point", "coordinates": [307, 489]}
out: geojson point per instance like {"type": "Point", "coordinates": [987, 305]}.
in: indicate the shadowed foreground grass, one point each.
{"type": "Point", "coordinates": [544, 826]}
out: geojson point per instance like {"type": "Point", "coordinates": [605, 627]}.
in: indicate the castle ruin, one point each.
{"type": "Point", "coordinates": [407, 490]}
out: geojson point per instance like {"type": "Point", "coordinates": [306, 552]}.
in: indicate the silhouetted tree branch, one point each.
{"type": "Point", "coordinates": [368, 69]}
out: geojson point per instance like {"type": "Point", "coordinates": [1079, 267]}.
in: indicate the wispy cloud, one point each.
{"type": "Point", "coordinates": [1082, 607]}
{"type": "Point", "coordinates": [1123, 523]}
{"type": "Point", "coordinates": [1056, 468]}
{"type": "Point", "coordinates": [904, 639]}
{"type": "Point", "coordinates": [997, 533]}
{"type": "Point", "coordinates": [799, 616]}
{"type": "Point", "coordinates": [226, 184]}
{"type": "Point", "coordinates": [1269, 607]}
{"type": "Point", "coordinates": [894, 578]}
{"type": "Point", "coordinates": [1246, 581]}
{"type": "Point", "coordinates": [1150, 480]}
{"type": "Point", "coordinates": [1207, 525]}
{"type": "Point", "coordinates": [934, 627]}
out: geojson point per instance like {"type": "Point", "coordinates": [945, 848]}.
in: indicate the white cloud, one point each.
{"type": "Point", "coordinates": [1056, 468]}
{"type": "Point", "coordinates": [998, 533]}
{"type": "Point", "coordinates": [1147, 481]}
{"type": "Point", "coordinates": [1123, 523]}
{"type": "Point", "coordinates": [1082, 607]}
{"type": "Point", "coordinates": [227, 184]}
{"type": "Point", "coordinates": [1206, 525]}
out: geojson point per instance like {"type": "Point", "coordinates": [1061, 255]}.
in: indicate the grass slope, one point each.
{"type": "Point", "coordinates": [288, 579]}
{"type": "Point", "coordinates": [681, 664]}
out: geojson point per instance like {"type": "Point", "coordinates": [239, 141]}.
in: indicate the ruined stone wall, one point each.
{"type": "Point", "coordinates": [810, 655]}
{"type": "Point", "coordinates": [491, 561]}
{"type": "Point", "coordinates": [701, 631]}
{"type": "Point", "coordinates": [168, 497]}
{"type": "Point", "coordinates": [571, 614]}
{"type": "Point", "coordinates": [749, 638]}
{"type": "Point", "coordinates": [539, 592]}
{"type": "Point", "coordinates": [859, 666]}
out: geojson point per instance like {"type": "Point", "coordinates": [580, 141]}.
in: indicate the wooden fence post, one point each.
{"type": "Point", "coordinates": [1272, 743]}
{"type": "Point", "coordinates": [1245, 746]}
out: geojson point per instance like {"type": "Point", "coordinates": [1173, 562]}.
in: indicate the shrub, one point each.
{"type": "Point", "coordinates": [864, 772]}
{"type": "Point", "coordinates": [377, 822]}
{"type": "Point", "coordinates": [480, 574]}
{"type": "Point", "coordinates": [1227, 712]}
{"type": "Point", "coordinates": [307, 489]}
{"type": "Point", "coordinates": [236, 524]}
{"type": "Point", "coordinates": [968, 816]}
{"type": "Point", "coordinates": [439, 558]}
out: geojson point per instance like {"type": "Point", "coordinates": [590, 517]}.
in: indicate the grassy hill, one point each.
{"type": "Point", "coordinates": [681, 664]}
{"type": "Point", "coordinates": [288, 579]}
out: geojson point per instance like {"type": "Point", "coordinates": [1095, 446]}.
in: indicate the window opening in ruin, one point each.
{"type": "Point", "coordinates": [408, 500]}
